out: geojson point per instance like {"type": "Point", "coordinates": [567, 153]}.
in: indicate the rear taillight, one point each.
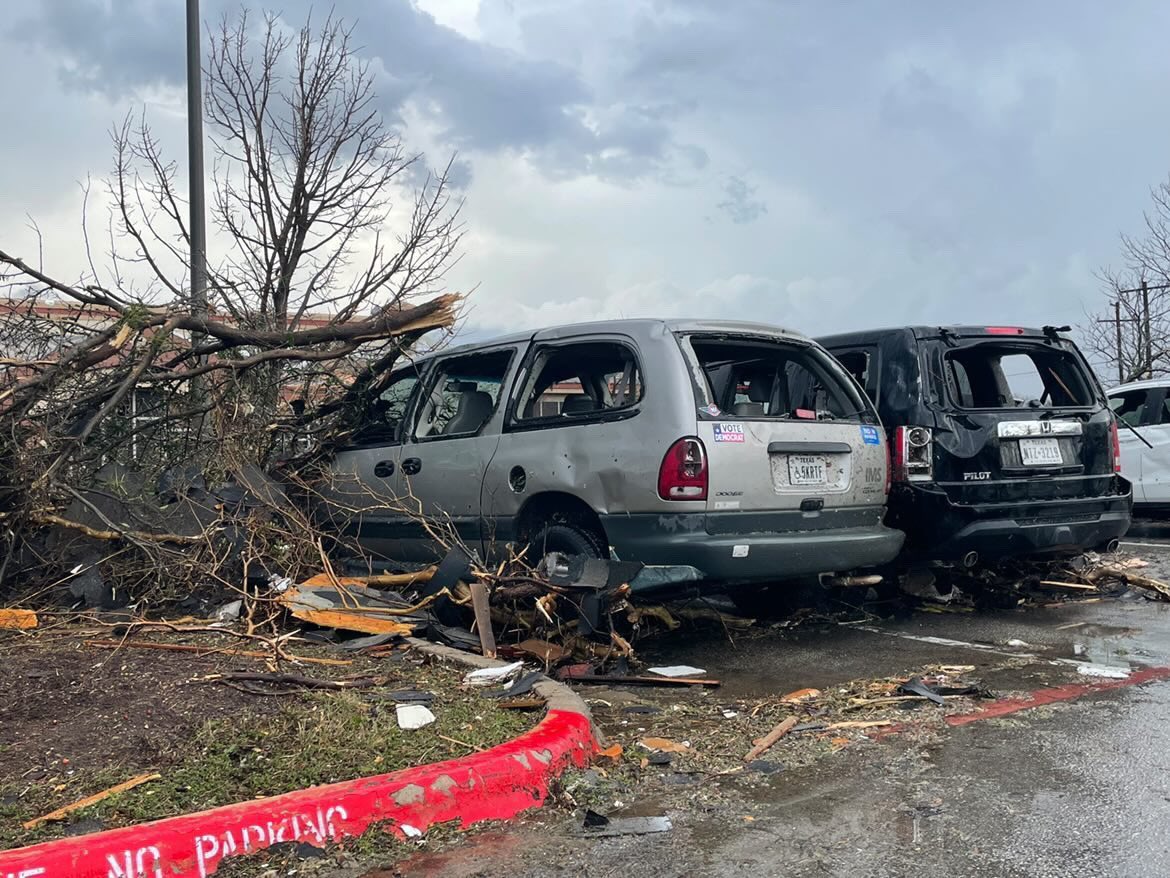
{"type": "Point", "coordinates": [1115, 438]}
{"type": "Point", "coordinates": [683, 474]}
{"type": "Point", "coordinates": [913, 456]}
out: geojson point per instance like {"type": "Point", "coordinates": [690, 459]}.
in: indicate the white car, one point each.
{"type": "Point", "coordinates": [1143, 416]}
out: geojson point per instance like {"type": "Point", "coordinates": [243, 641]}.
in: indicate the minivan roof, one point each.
{"type": "Point", "coordinates": [1004, 331]}
{"type": "Point", "coordinates": [627, 325]}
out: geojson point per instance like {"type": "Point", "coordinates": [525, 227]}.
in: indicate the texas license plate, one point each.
{"type": "Point", "coordinates": [805, 470]}
{"type": "Point", "coordinates": [1040, 452]}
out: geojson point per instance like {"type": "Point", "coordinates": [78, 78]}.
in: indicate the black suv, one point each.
{"type": "Point", "coordinates": [1002, 440]}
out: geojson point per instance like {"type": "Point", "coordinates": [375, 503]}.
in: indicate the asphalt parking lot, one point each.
{"type": "Point", "coordinates": [1080, 786]}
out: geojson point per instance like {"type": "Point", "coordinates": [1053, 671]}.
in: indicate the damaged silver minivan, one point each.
{"type": "Point", "coordinates": [739, 449]}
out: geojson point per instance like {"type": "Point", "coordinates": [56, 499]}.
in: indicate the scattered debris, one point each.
{"type": "Point", "coordinates": [229, 612]}
{"type": "Point", "coordinates": [613, 752]}
{"type": "Point", "coordinates": [62, 813]}
{"type": "Point", "coordinates": [18, 620]}
{"type": "Point", "coordinates": [765, 743]}
{"type": "Point", "coordinates": [348, 604]}
{"type": "Point", "coordinates": [1106, 671]}
{"type": "Point", "coordinates": [801, 695]}
{"type": "Point", "coordinates": [1075, 586]}
{"type": "Point", "coordinates": [678, 671]}
{"type": "Point", "coordinates": [585, 674]}
{"type": "Point", "coordinates": [601, 826]}
{"type": "Point", "coordinates": [410, 831]}
{"type": "Point", "coordinates": [483, 619]}
{"type": "Point", "coordinates": [487, 676]}
{"type": "Point", "coordinates": [664, 745]}
{"type": "Point", "coordinates": [1161, 589]}
{"type": "Point", "coordinates": [414, 716]}
{"type": "Point", "coordinates": [1016, 643]}
{"type": "Point", "coordinates": [915, 686]}
{"type": "Point", "coordinates": [549, 653]}
{"type": "Point", "coordinates": [521, 685]}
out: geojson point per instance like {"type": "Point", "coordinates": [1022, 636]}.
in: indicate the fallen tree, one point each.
{"type": "Point", "coordinates": [137, 427]}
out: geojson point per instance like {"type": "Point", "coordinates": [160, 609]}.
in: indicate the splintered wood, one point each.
{"type": "Point", "coordinates": [766, 742]}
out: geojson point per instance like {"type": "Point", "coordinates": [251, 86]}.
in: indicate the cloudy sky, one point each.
{"type": "Point", "coordinates": [824, 165]}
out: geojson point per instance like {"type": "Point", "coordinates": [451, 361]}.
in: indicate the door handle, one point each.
{"type": "Point", "coordinates": [383, 469]}
{"type": "Point", "coordinates": [411, 465]}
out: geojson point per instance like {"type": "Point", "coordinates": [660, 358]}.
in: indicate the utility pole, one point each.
{"type": "Point", "coordinates": [1145, 346]}
{"type": "Point", "coordinates": [195, 164]}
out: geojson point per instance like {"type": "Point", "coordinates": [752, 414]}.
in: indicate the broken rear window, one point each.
{"type": "Point", "coordinates": [767, 379]}
{"type": "Point", "coordinates": [993, 376]}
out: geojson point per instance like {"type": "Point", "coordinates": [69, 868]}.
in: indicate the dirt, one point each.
{"type": "Point", "coordinates": [79, 719]}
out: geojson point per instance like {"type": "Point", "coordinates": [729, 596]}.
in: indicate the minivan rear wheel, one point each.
{"type": "Point", "coordinates": [566, 537]}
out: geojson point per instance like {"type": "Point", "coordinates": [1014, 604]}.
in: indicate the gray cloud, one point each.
{"type": "Point", "coordinates": [482, 97]}
{"type": "Point", "coordinates": [741, 204]}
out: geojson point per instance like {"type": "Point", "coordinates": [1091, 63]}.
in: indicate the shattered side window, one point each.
{"type": "Point", "coordinates": [383, 422]}
{"type": "Point", "coordinates": [581, 380]}
{"type": "Point", "coordinates": [765, 379]}
{"type": "Point", "coordinates": [462, 396]}
{"type": "Point", "coordinates": [991, 376]}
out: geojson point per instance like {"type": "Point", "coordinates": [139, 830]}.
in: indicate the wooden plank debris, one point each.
{"type": "Point", "coordinates": [62, 813]}
{"type": "Point", "coordinates": [765, 743]}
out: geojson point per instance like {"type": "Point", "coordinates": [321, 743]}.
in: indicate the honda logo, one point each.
{"type": "Point", "coordinates": [1046, 427]}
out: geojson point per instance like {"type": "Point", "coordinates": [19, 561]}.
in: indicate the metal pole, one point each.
{"type": "Point", "coordinates": [195, 162]}
{"type": "Point", "coordinates": [1117, 323]}
{"type": "Point", "coordinates": [1149, 331]}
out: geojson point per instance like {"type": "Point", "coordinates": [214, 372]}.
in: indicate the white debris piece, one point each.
{"type": "Point", "coordinates": [1019, 644]}
{"type": "Point", "coordinates": [678, 671]}
{"type": "Point", "coordinates": [414, 716]}
{"type": "Point", "coordinates": [1104, 671]}
{"type": "Point", "coordinates": [487, 676]}
{"type": "Point", "coordinates": [229, 612]}
{"type": "Point", "coordinates": [410, 831]}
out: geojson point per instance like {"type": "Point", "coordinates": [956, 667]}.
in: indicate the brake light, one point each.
{"type": "Point", "coordinates": [1115, 438]}
{"type": "Point", "coordinates": [683, 474]}
{"type": "Point", "coordinates": [913, 454]}
{"type": "Point", "coordinates": [1003, 330]}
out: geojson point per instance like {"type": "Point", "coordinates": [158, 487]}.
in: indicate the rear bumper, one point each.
{"type": "Point", "coordinates": [756, 553]}
{"type": "Point", "coordinates": [939, 530]}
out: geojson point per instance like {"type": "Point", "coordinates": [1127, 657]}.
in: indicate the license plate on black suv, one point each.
{"type": "Point", "coordinates": [1040, 452]}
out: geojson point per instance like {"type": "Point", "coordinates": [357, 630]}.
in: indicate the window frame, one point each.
{"type": "Point", "coordinates": [873, 365]}
{"type": "Point", "coordinates": [514, 424]}
{"type": "Point", "coordinates": [820, 357]}
{"type": "Point", "coordinates": [435, 373]}
{"type": "Point", "coordinates": [1007, 348]}
{"type": "Point", "coordinates": [1155, 403]}
{"type": "Point", "coordinates": [422, 372]}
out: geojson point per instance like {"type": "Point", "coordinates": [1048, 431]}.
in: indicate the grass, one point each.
{"type": "Point", "coordinates": [314, 739]}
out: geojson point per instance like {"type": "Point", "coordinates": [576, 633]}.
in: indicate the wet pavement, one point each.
{"type": "Point", "coordinates": [1080, 787]}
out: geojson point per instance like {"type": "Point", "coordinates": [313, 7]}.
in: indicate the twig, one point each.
{"type": "Point", "coordinates": [210, 650]}
{"type": "Point", "coordinates": [460, 743]}
{"type": "Point", "coordinates": [62, 813]}
{"type": "Point", "coordinates": [291, 680]}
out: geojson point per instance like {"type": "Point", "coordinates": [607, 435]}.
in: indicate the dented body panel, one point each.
{"type": "Point", "coordinates": [1009, 477]}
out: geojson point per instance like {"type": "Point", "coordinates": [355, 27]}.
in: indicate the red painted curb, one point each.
{"type": "Point", "coordinates": [494, 785]}
{"type": "Point", "coordinates": [1067, 692]}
